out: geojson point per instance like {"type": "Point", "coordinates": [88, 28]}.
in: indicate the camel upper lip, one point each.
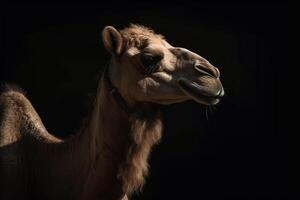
{"type": "Point", "coordinates": [200, 93]}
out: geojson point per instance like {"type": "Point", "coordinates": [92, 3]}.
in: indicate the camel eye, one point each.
{"type": "Point", "coordinates": [150, 62]}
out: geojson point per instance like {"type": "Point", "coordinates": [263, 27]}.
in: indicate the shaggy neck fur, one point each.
{"type": "Point", "coordinates": [119, 145]}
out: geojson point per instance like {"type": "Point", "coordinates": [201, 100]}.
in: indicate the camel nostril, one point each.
{"type": "Point", "coordinates": [206, 70]}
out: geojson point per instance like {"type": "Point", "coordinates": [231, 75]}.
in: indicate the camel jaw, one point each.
{"type": "Point", "coordinates": [199, 93]}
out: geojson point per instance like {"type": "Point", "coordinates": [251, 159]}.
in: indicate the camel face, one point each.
{"type": "Point", "coordinates": [149, 69]}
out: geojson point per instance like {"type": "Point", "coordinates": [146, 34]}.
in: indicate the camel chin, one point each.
{"type": "Point", "coordinates": [199, 93]}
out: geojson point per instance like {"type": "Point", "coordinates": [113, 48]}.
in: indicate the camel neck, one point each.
{"type": "Point", "coordinates": [106, 137]}
{"type": "Point", "coordinates": [115, 93]}
{"type": "Point", "coordinates": [108, 125]}
{"type": "Point", "coordinates": [117, 146]}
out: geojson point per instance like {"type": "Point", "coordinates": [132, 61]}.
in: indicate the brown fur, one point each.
{"type": "Point", "coordinates": [11, 87]}
{"type": "Point", "coordinates": [145, 131]}
{"type": "Point", "coordinates": [138, 36]}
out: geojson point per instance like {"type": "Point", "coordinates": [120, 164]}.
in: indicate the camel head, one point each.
{"type": "Point", "coordinates": [146, 68]}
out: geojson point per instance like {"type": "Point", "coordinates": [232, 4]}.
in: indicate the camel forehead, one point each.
{"type": "Point", "coordinates": [141, 36]}
{"type": "Point", "coordinates": [140, 31]}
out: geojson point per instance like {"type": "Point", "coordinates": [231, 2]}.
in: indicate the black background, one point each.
{"type": "Point", "coordinates": [54, 52]}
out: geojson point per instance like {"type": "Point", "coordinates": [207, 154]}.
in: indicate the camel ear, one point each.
{"type": "Point", "coordinates": [112, 40]}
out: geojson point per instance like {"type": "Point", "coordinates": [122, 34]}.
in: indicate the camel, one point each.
{"type": "Point", "coordinates": [107, 158]}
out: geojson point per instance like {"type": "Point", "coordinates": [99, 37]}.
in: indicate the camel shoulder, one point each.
{"type": "Point", "coordinates": [18, 117]}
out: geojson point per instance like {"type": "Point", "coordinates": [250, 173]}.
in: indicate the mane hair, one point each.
{"type": "Point", "coordinates": [138, 35]}
{"type": "Point", "coordinates": [146, 128]}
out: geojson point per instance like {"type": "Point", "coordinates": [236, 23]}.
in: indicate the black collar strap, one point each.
{"type": "Point", "coordinates": [115, 93]}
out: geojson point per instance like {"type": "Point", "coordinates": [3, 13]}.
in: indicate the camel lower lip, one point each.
{"type": "Point", "coordinates": [197, 94]}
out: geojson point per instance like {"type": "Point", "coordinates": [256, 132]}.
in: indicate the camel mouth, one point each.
{"type": "Point", "coordinates": [200, 93]}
